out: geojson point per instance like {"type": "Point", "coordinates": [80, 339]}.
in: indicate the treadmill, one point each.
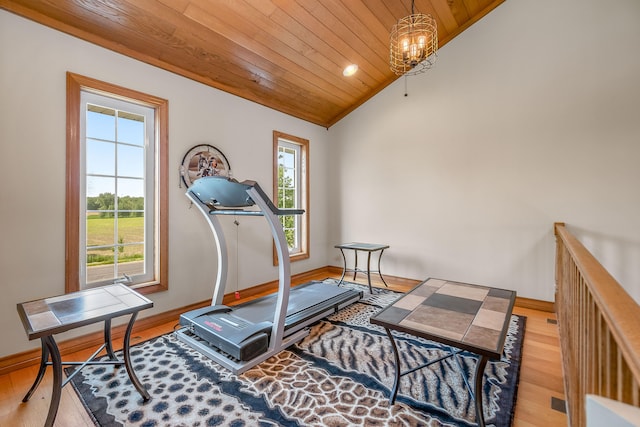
{"type": "Point", "coordinates": [244, 335]}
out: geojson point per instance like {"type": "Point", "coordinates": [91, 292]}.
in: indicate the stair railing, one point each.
{"type": "Point", "coordinates": [599, 325]}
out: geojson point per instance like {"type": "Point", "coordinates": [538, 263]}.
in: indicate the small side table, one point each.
{"type": "Point", "coordinates": [365, 247]}
{"type": "Point", "coordinates": [49, 316]}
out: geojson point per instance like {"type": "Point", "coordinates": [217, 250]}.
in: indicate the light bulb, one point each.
{"type": "Point", "coordinates": [350, 70]}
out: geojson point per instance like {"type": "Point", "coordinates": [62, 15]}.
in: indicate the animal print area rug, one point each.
{"type": "Point", "coordinates": [340, 375]}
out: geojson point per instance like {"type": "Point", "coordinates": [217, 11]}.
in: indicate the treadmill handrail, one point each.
{"type": "Point", "coordinates": [272, 207]}
{"type": "Point", "coordinates": [279, 212]}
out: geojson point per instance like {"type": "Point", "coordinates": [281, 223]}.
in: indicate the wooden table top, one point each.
{"type": "Point", "coordinates": [57, 314]}
{"type": "Point", "coordinates": [470, 317]}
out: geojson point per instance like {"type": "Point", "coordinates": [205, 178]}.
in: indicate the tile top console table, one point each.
{"type": "Point", "coordinates": [49, 316]}
{"type": "Point", "coordinates": [468, 317]}
{"type": "Point", "coordinates": [365, 247]}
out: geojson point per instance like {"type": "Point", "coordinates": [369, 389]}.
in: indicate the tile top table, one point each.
{"type": "Point", "coordinates": [45, 317]}
{"type": "Point", "coordinates": [469, 317]}
{"type": "Point", "coordinates": [365, 247]}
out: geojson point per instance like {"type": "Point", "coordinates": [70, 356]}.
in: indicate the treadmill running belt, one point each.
{"type": "Point", "coordinates": [300, 298]}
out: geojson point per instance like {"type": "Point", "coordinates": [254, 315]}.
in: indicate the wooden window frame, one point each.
{"type": "Point", "coordinates": [75, 85]}
{"type": "Point", "coordinates": [305, 219]}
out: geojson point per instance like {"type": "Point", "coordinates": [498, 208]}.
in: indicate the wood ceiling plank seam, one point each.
{"type": "Point", "coordinates": [286, 65]}
{"type": "Point", "coordinates": [266, 7]}
{"type": "Point", "coordinates": [177, 5]}
{"type": "Point", "coordinates": [459, 10]}
{"type": "Point", "coordinates": [473, 6]}
{"type": "Point", "coordinates": [447, 22]}
{"type": "Point", "coordinates": [397, 8]}
{"type": "Point", "coordinates": [326, 23]}
{"type": "Point", "coordinates": [358, 27]}
{"type": "Point", "coordinates": [302, 32]}
{"type": "Point", "coordinates": [376, 26]}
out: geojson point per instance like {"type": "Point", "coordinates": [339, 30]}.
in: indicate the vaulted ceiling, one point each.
{"type": "Point", "coordinates": [285, 54]}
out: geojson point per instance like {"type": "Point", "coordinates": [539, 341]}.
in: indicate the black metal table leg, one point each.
{"type": "Point", "coordinates": [344, 269]}
{"type": "Point", "coordinates": [396, 357]}
{"type": "Point", "coordinates": [482, 363]}
{"type": "Point", "coordinates": [369, 271]}
{"type": "Point", "coordinates": [127, 360]}
{"type": "Point", "coordinates": [107, 339]}
{"type": "Point", "coordinates": [44, 358]}
{"type": "Point", "coordinates": [379, 272]}
{"type": "Point", "coordinates": [355, 266]}
{"type": "Point", "coordinates": [56, 391]}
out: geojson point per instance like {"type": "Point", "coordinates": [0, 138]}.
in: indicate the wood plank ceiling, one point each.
{"type": "Point", "coordinates": [285, 54]}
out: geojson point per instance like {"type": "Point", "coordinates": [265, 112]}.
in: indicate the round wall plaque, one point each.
{"type": "Point", "coordinates": [203, 160]}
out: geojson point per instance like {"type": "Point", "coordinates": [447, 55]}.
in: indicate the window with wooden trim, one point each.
{"type": "Point", "coordinates": [116, 187]}
{"type": "Point", "coordinates": [291, 190]}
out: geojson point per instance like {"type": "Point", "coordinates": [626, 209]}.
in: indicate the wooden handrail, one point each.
{"type": "Point", "coordinates": [599, 329]}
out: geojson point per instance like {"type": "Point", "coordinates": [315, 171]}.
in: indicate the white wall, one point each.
{"type": "Point", "coordinates": [33, 63]}
{"type": "Point", "coordinates": [531, 116]}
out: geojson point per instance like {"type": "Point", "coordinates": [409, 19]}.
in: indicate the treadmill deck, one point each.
{"type": "Point", "coordinates": [243, 331]}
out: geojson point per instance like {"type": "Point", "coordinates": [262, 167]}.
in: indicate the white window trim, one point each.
{"type": "Point", "coordinates": [150, 190]}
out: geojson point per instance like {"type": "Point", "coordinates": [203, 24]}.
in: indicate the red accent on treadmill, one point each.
{"type": "Point", "coordinates": [213, 325]}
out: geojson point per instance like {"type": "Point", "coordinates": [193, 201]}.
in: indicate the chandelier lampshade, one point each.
{"type": "Point", "coordinates": [413, 44]}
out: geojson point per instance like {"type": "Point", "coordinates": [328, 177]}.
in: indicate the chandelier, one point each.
{"type": "Point", "coordinates": [414, 43]}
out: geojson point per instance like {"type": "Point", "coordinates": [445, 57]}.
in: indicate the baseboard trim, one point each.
{"type": "Point", "coordinates": [534, 304]}
{"type": "Point", "coordinates": [95, 339]}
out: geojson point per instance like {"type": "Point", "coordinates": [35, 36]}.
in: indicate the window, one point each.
{"type": "Point", "coordinates": [116, 187]}
{"type": "Point", "coordinates": [291, 190]}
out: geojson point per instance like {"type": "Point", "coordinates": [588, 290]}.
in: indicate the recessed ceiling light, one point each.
{"type": "Point", "coordinates": [350, 70]}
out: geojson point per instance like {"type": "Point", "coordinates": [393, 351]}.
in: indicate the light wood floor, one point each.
{"type": "Point", "coordinates": [540, 378]}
